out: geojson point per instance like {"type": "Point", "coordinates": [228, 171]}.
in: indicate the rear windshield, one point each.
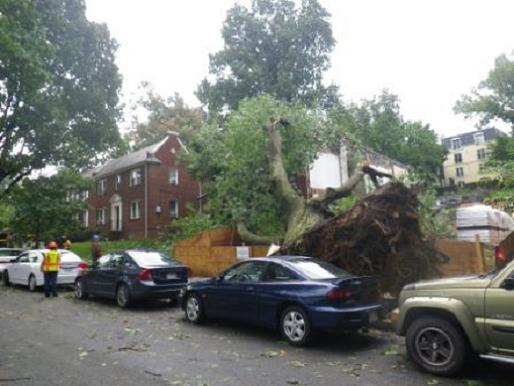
{"type": "Point", "coordinates": [317, 269]}
{"type": "Point", "coordinates": [146, 258]}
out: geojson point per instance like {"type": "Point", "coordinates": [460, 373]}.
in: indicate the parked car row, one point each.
{"type": "Point", "coordinates": [443, 320]}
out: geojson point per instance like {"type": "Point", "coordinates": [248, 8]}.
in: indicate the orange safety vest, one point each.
{"type": "Point", "coordinates": [51, 261]}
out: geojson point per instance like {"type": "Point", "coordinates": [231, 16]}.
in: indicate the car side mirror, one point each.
{"type": "Point", "coordinates": [508, 283]}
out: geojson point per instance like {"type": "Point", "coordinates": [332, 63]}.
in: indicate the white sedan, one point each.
{"type": "Point", "coordinates": [26, 270]}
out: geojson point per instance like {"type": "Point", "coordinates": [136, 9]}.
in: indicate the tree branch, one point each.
{"type": "Point", "coordinates": [284, 190]}
{"type": "Point", "coordinates": [330, 195]}
{"type": "Point", "coordinates": [252, 238]}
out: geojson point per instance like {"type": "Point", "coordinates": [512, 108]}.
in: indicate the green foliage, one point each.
{"type": "Point", "coordinates": [438, 223]}
{"type": "Point", "coordinates": [6, 215]}
{"type": "Point", "coordinates": [58, 87]}
{"type": "Point", "coordinates": [83, 249]}
{"type": "Point", "coordinates": [233, 166]}
{"type": "Point", "coordinates": [494, 97]}
{"type": "Point", "coordinates": [378, 124]}
{"type": "Point", "coordinates": [48, 207]}
{"type": "Point", "coordinates": [273, 48]}
{"type": "Point", "coordinates": [164, 115]}
{"type": "Point", "coordinates": [342, 205]}
{"type": "Point", "coordinates": [190, 225]}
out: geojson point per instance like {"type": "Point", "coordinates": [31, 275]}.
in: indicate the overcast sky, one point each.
{"type": "Point", "coordinates": [429, 52]}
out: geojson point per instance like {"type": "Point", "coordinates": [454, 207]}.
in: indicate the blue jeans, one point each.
{"type": "Point", "coordinates": [50, 283]}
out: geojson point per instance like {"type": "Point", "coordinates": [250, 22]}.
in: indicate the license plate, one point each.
{"type": "Point", "coordinates": [373, 317]}
{"type": "Point", "coordinates": [171, 276]}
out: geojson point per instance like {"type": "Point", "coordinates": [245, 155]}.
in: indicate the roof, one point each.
{"type": "Point", "coordinates": [138, 157]}
{"type": "Point", "coordinates": [467, 139]}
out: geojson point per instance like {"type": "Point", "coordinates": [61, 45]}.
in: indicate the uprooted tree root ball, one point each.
{"type": "Point", "coordinates": [379, 236]}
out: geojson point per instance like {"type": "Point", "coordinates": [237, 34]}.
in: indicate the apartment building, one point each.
{"type": "Point", "coordinates": [468, 152]}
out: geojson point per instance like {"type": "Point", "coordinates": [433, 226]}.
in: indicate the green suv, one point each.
{"type": "Point", "coordinates": [444, 320]}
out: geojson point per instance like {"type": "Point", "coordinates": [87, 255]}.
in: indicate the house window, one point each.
{"type": "Point", "coordinates": [456, 143]}
{"type": "Point", "coordinates": [117, 182]}
{"type": "Point", "coordinates": [174, 209]}
{"type": "Point", "coordinates": [84, 195]}
{"type": "Point", "coordinates": [173, 176]}
{"type": "Point", "coordinates": [481, 154]}
{"type": "Point", "coordinates": [481, 168]}
{"type": "Point", "coordinates": [83, 218]}
{"type": "Point", "coordinates": [457, 157]}
{"type": "Point", "coordinates": [479, 138]}
{"type": "Point", "coordinates": [460, 184]}
{"type": "Point", "coordinates": [100, 216]}
{"type": "Point", "coordinates": [135, 177]}
{"type": "Point", "coordinates": [135, 210]}
{"type": "Point", "coordinates": [460, 172]}
{"type": "Point", "coordinates": [101, 187]}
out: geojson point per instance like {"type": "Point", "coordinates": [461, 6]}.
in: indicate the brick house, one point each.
{"type": "Point", "coordinates": [137, 195]}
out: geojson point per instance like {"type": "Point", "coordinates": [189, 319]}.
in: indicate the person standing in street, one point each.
{"type": "Point", "coordinates": [96, 250]}
{"type": "Point", "coordinates": [50, 268]}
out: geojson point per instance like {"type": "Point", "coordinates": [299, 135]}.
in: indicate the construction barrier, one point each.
{"type": "Point", "coordinates": [466, 257]}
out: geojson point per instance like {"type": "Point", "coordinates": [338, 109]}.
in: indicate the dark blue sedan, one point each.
{"type": "Point", "coordinates": [133, 275]}
{"type": "Point", "coordinates": [296, 294]}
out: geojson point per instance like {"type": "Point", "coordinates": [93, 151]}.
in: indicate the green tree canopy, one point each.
{"type": "Point", "coordinates": [58, 87]}
{"type": "Point", "coordinates": [48, 207]}
{"type": "Point", "coordinates": [272, 48]}
{"type": "Point", "coordinates": [379, 125]}
{"type": "Point", "coordinates": [233, 165]}
{"type": "Point", "coordinates": [164, 115]}
{"type": "Point", "coordinates": [493, 99]}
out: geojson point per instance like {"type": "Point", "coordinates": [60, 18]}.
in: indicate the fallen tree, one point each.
{"type": "Point", "coordinates": [380, 236]}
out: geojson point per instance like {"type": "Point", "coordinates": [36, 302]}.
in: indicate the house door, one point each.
{"type": "Point", "coordinates": [116, 213]}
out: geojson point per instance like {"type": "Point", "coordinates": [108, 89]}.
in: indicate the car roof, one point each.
{"type": "Point", "coordinates": [282, 258]}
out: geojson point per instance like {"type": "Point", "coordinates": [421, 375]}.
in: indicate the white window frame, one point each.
{"type": "Point", "coordinates": [173, 176]}
{"type": "Point", "coordinates": [100, 220]}
{"type": "Point", "coordinates": [456, 143]}
{"type": "Point", "coordinates": [135, 214]}
{"type": "Point", "coordinates": [481, 154]}
{"type": "Point", "coordinates": [117, 182]}
{"type": "Point", "coordinates": [455, 158]}
{"type": "Point", "coordinates": [461, 174]}
{"type": "Point", "coordinates": [174, 208]}
{"type": "Point", "coordinates": [101, 187]}
{"type": "Point", "coordinates": [479, 138]}
{"type": "Point", "coordinates": [136, 177]}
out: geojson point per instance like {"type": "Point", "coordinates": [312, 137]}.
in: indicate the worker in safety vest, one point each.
{"type": "Point", "coordinates": [50, 268]}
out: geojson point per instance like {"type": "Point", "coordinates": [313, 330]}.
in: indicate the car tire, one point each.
{"type": "Point", "coordinates": [436, 346]}
{"type": "Point", "coordinates": [123, 296]}
{"type": "Point", "coordinates": [32, 283]}
{"type": "Point", "coordinates": [295, 326]}
{"type": "Point", "coordinates": [194, 308]}
{"type": "Point", "coordinates": [79, 291]}
{"type": "Point", "coordinates": [5, 279]}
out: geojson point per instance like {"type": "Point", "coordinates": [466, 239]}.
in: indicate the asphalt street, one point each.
{"type": "Point", "coordinates": [64, 341]}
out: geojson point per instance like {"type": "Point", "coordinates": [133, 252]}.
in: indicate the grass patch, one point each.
{"type": "Point", "coordinates": [83, 249]}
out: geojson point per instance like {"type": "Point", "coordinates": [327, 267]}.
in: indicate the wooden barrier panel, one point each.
{"type": "Point", "coordinates": [466, 257]}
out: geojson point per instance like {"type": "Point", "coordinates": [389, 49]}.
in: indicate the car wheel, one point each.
{"type": "Point", "coordinates": [295, 326]}
{"type": "Point", "coordinates": [79, 291]}
{"type": "Point", "coordinates": [123, 296]}
{"type": "Point", "coordinates": [32, 283]}
{"type": "Point", "coordinates": [194, 309]}
{"type": "Point", "coordinates": [5, 278]}
{"type": "Point", "coordinates": [436, 345]}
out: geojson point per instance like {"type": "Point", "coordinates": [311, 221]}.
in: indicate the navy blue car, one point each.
{"type": "Point", "coordinates": [296, 294]}
{"type": "Point", "coordinates": [132, 275]}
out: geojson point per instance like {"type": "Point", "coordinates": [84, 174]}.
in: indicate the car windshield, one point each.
{"type": "Point", "coordinates": [147, 258]}
{"type": "Point", "coordinates": [317, 269]}
{"type": "Point", "coordinates": [69, 257]}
